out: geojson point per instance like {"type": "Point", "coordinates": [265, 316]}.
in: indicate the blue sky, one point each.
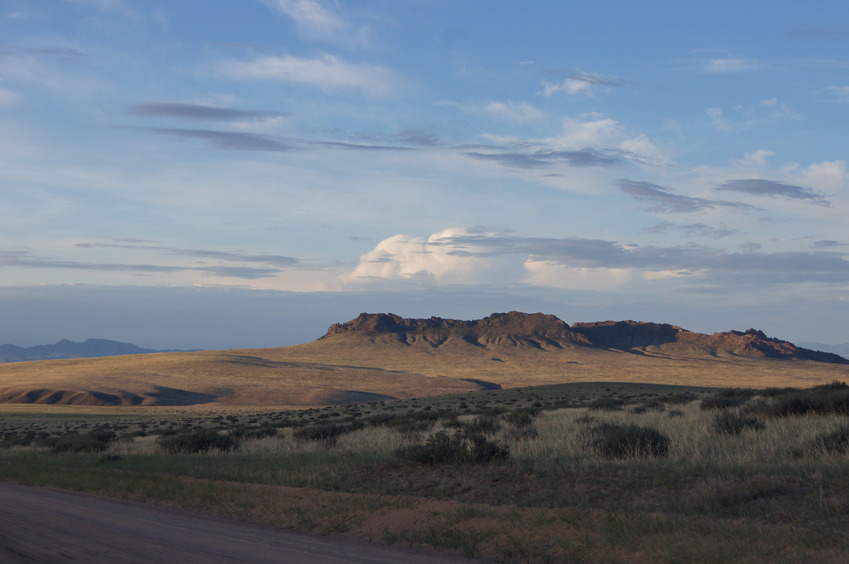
{"type": "Point", "coordinates": [199, 174]}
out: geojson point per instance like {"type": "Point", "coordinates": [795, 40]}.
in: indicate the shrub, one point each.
{"type": "Point", "coordinates": [521, 418]}
{"type": "Point", "coordinates": [836, 442]}
{"type": "Point", "coordinates": [731, 423]}
{"type": "Point", "coordinates": [615, 440]}
{"type": "Point", "coordinates": [721, 402]}
{"type": "Point", "coordinates": [606, 404]}
{"type": "Point", "coordinates": [95, 441]}
{"type": "Point", "coordinates": [442, 448]}
{"type": "Point", "coordinates": [199, 440]}
{"type": "Point", "coordinates": [326, 431]}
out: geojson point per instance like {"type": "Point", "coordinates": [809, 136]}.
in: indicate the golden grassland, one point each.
{"type": "Point", "coordinates": [349, 369]}
{"type": "Point", "coordinates": [770, 492]}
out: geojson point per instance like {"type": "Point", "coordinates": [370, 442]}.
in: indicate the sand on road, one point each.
{"type": "Point", "coordinates": [45, 525]}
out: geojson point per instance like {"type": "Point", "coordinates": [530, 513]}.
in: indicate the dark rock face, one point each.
{"type": "Point", "coordinates": [517, 328]}
{"type": "Point", "coordinates": [624, 335]}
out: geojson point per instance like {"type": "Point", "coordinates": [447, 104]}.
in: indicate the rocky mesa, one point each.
{"type": "Point", "coordinates": [540, 330]}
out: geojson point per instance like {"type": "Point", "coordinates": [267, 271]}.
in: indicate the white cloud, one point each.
{"type": "Point", "coordinates": [511, 111]}
{"type": "Point", "coordinates": [326, 72]}
{"type": "Point", "coordinates": [439, 259]}
{"type": "Point", "coordinates": [7, 97]}
{"type": "Point", "coordinates": [730, 64]}
{"type": "Point", "coordinates": [595, 131]}
{"type": "Point", "coordinates": [315, 20]}
{"type": "Point", "coordinates": [580, 83]}
{"type": "Point", "coordinates": [553, 274]}
{"type": "Point", "coordinates": [838, 93]}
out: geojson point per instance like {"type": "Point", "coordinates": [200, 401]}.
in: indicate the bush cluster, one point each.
{"type": "Point", "coordinates": [619, 440]}
{"type": "Point", "coordinates": [734, 423]}
{"type": "Point", "coordinates": [457, 448]}
{"type": "Point", "coordinates": [198, 440]}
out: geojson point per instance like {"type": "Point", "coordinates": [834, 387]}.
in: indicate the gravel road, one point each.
{"type": "Point", "coordinates": [43, 525]}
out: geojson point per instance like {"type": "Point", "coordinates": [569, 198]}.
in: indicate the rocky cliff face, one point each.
{"type": "Point", "coordinates": [536, 329]}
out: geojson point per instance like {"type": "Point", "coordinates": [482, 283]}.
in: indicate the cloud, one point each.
{"type": "Point", "coordinates": [827, 244]}
{"type": "Point", "coordinates": [327, 72]}
{"type": "Point", "coordinates": [667, 202]}
{"type": "Point", "coordinates": [837, 94]}
{"type": "Point", "coordinates": [547, 158]}
{"type": "Point", "coordinates": [317, 20]}
{"type": "Point", "coordinates": [273, 264]}
{"type": "Point", "coordinates": [581, 83]}
{"type": "Point", "coordinates": [692, 229]}
{"type": "Point", "coordinates": [459, 256]}
{"type": "Point", "coordinates": [227, 140]}
{"type": "Point", "coordinates": [767, 111]}
{"type": "Point", "coordinates": [197, 112]}
{"type": "Point", "coordinates": [759, 187]}
{"type": "Point", "coordinates": [232, 256]}
{"type": "Point", "coordinates": [7, 97]}
{"type": "Point", "coordinates": [514, 112]}
{"type": "Point", "coordinates": [730, 64]}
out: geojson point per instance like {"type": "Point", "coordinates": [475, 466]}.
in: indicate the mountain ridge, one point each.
{"type": "Point", "coordinates": [67, 349]}
{"type": "Point", "coordinates": [538, 329]}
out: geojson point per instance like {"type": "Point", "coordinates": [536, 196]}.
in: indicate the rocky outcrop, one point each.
{"type": "Point", "coordinates": [538, 330]}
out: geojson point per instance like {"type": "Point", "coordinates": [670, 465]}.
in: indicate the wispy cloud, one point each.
{"type": "Point", "coordinates": [730, 64]}
{"type": "Point", "coordinates": [24, 260]}
{"type": "Point", "coordinates": [760, 187]}
{"type": "Point", "coordinates": [668, 202]}
{"type": "Point", "coordinates": [197, 112]}
{"type": "Point", "coordinates": [767, 111]}
{"type": "Point", "coordinates": [691, 230]}
{"type": "Point", "coordinates": [581, 83]}
{"type": "Point", "coordinates": [226, 139]}
{"type": "Point", "coordinates": [327, 72]}
{"type": "Point", "coordinates": [321, 21]}
{"type": "Point", "coordinates": [515, 112]}
{"type": "Point", "coordinates": [547, 158]}
{"type": "Point", "coordinates": [232, 256]}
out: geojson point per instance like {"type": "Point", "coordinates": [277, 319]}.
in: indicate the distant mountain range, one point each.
{"type": "Point", "coordinates": [89, 348]}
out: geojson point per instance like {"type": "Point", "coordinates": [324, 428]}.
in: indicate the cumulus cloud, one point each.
{"type": "Point", "coordinates": [326, 72]}
{"type": "Point", "coordinates": [321, 21]}
{"type": "Point", "coordinates": [760, 187]}
{"type": "Point", "coordinates": [668, 202]}
{"type": "Point", "coordinates": [459, 256]}
{"type": "Point", "coordinates": [197, 112]}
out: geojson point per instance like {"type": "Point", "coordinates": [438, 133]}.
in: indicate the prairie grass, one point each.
{"type": "Point", "coordinates": [774, 493]}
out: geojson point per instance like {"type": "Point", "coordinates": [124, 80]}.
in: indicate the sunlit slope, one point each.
{"type": "Point", "coordinates": [367, 362]}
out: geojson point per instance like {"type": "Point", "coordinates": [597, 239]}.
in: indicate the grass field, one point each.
{"type": "Point", "coordinates": [587, 472]}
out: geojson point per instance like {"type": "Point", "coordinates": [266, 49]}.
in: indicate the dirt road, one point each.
{"type": "Point", "coordinates": [41, 525]}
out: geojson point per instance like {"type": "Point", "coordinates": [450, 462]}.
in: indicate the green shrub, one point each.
{"type": "Point", "coordinates": [616, 440]}
{"type": "Point", "coordinates": [836, 442]}
{"type": "Point", "coordinates": [721, 402]}
{"type": "Point", "coordinates": [328, 432]}
{"type": "Point", "coordinates": [606, 404]}
{"type": "Point", "coordinates": [521, 418]}
{"type": "Point", "coordinates": [732, 423]}
{"type": "Point", "coordinates": [198, 440]}
{"type": "Point", "coordinates": [95, 441]}
{"type": "Point", "coordinates": [443, 448]}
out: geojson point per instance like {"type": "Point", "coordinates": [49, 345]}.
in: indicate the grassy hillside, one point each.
{"type": "Point", "coordinates": [353, 368]}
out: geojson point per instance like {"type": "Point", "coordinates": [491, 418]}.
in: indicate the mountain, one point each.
{"type": "Point", "coordinates": [378, 357]}
{"type": "Point", "coordinates": [90, 348]}
{"type": "Point", "coordinates": [842, 349]}
{"type": "Point", "coordinates": [547, 331]}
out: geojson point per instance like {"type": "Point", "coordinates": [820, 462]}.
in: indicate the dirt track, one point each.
{"type": "Point", "coordinates": [40, 525]}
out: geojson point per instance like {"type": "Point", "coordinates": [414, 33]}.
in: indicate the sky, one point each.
{"type": "Point", "coordinates": [243, 173]}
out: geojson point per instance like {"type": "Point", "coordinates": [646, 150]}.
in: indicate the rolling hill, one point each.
{"type": "Point", "coordinates": [384, 356]}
